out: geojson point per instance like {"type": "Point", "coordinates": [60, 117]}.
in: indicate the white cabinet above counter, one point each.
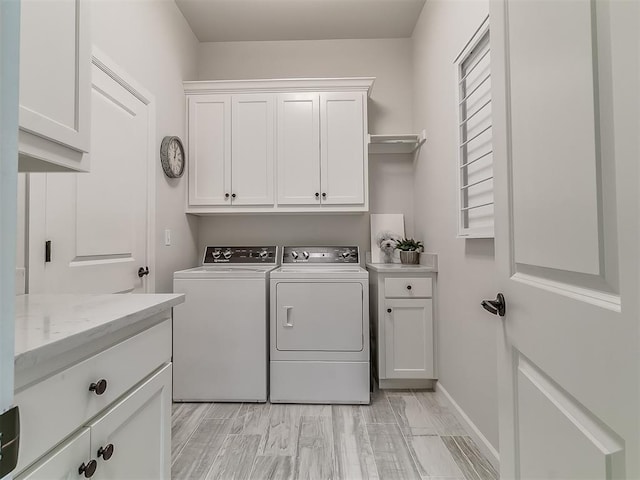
{"type": "Point", "coordinates": [277, 146]}
{"type": "Point", "coordinates": [55, 86]}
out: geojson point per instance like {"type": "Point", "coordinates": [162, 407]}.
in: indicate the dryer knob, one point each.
{"type": "Point", "coordinates": [227, 254]}
{"type": "Point", "coordinates": [263, 254]}
{"type": "Point", "coordinates": [216, 254]}
{"type": "Point", "coordinates": [305, 255]}
{"type": "Point", "coordinates": [294, 254]}
{"type": "Point", "coordinates": [346, 254]}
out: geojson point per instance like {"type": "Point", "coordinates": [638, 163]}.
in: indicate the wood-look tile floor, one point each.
{"type": "Point", "coordinates": [400, 435]}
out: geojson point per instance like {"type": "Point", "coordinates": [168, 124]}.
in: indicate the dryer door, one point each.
{"type": "Point", "coordinates": [319, 316]}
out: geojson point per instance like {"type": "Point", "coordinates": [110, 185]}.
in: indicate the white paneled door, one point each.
{"type": "Point", "coordinates": [99, 224]}
{"type": "Point", "coordinates": [565, 81]}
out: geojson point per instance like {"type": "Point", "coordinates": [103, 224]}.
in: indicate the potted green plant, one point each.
{"type": "Point", "coordinates": [409, 250]}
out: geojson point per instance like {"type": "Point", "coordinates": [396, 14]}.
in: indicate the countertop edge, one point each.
{"type": "Point", "coordinates": [400, 268]}
{"type": "Point", "coordinates": [34, 357]}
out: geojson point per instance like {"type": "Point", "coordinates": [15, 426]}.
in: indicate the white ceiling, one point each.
{"type": "Point", "coordinates": [247, 20]}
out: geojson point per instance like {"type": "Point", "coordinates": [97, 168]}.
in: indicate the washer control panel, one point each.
{"type": "Point", "coordinates": [240, 255]}
{"type": "Point", "coordinates": [321, 255]}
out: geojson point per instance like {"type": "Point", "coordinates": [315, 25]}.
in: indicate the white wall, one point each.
{"type": "Point", "coordinates": [390, 111]}
{"type": "Point", "coordinates": [151, 41]}
{"type": "Point", "coordinates": [467, 272]}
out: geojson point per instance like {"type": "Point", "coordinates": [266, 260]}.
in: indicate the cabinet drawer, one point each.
{"type": "Point", "coordinates": [53, 408]}
{"type": "Point", "coordinates": [408, 287]}
{"type": "Point", "coordinates": [63, 462]}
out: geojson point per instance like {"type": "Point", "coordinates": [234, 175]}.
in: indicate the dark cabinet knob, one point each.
{"type": "Point", "coordinates": [497, 306]}
{"type": "Point", "coordinates": [324, 195]}
{"type": "Point", "coordinates": [142, 271]}
{"type": "Point", "coordinates": [317, 195]}
{"type": "Point", "coordinates": [408, 287]}
{"type": "Point", "coordinates": [226, 195]}
{"type": "Point", "coordinates": [106, 452]}
{"type": "Point", "coordinates": [388, 310]}
{"type": "Point", "coordinates": [233, 195]}
{"type": "Point", "coordinates": [88, 469]}
{"type": "Point", "coordinates": [98, 387]}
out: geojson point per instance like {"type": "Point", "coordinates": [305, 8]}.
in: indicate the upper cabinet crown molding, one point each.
{"type": "Point", "coordinates": [286, 85]}
{"type": "Point", "coordinates": [55, 86]}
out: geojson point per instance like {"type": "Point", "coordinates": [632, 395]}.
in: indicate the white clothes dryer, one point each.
{"type": "Point", "coordinates": [220, 332]}
{"type": "Point", "coordinates": [319, 327]}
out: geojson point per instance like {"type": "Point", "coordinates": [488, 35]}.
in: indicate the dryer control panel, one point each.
{"type": "Point", "coordinates": [240, 255]}
{"type": "Point", "coordinates": [321, 255]}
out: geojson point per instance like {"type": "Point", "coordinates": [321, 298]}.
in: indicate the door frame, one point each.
{"type": "Point", "coordinates": [36, 186]}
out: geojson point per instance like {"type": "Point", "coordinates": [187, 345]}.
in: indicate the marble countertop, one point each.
{"type": "Point", "coordinates": [51, 325]}
{"type": "Point", "coordinates": [400, 268]}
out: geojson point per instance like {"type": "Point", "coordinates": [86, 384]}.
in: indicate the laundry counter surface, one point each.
{"type": "Point", "coordinates": [53, 331]}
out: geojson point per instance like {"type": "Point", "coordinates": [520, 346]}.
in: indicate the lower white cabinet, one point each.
{"type": "Point", "coordinates": [408, 338]}
{"type": "Point", "coordinates": [402, 326]}
{"type": "Point", "coordinates": [133, 438]}
{"type": "Point", "coordinates": [116, 425]}
{"type": "Point", "coordinates": [65, 461]}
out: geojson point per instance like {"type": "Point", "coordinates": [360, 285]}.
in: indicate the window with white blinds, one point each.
{"type": "Point", "coordinates": [475, 147]}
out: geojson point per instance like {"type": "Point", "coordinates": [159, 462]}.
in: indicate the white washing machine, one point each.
{"type": "Point", "coordinates": [220, 332]}
{"type": "Point", "coordinates": [319, 327]}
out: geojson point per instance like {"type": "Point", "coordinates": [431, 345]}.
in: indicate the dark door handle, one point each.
{"type": "Point", "coordinates": [497, 306]}
{"type": "Point", "coordinates": [142, 271]}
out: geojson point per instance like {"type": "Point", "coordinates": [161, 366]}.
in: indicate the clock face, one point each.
{"type": "Point", "coordinates": [172, 157]}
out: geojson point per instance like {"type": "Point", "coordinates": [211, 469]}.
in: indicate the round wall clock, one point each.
{"type": "Point", "coordinates": [172, 157]}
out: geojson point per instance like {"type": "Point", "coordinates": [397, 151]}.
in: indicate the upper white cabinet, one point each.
{"type": "Point", "coordinates": [295, 145]}
{"type": "Point", "coordinates": [55, 86]}
{"type": "Point", "coordinates": [342, 148]}
{"type": "Point", "coordinates": [252, 149]}
{"type": "Point", "coordinates": [298, 149]}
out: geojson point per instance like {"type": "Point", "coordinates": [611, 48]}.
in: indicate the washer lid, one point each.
{"type": "Point", "coordinates": [225, 271]}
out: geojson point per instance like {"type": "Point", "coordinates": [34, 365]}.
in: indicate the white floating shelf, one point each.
{"type": "Point", "coordinates": [400, 143]}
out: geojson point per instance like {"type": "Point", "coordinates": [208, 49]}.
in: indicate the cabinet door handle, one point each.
{"type": "Point", "coordinates": [389, 310]}
{"type": "Point", "coordinates": [324, 195]}
{"type": "Point", "coordinates": [287, 323]}
{"type": "Point", "coordinates": [98, 387]}
{"type": "Point", "coordinates": [226, 195]}
{"type": "Point", "coordinates": [317, 195]}
{"type": "Point", "coordinates": [106, 452]}
{"type": "Point", "coordinates": [408, 287]}
{"type": "Point", "coordinates": [233, 195]}
{"type": "Point", "coordinates": [88, 469]}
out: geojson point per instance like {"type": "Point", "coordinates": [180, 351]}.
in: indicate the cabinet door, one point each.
{"type": "Point", "coordinates": [55, 76]}
{"type": "Point", "coordinates": [252, 132]}
{"type": "Point", "coordinates": [298, 149]}
{"type": "Point", "coordinates": [209, 149]}
{"type": "Point", "coordinates": [139, 428]}
{"type": "Point", "coordinates": [63, 462]}
{"type": "Point", "coordinates": [408, 332]}
{"type": "Point", "coordinates": [342, 148]}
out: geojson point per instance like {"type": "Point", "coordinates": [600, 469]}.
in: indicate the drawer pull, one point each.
{"type": "Point", "coordinates": [89, 469]}
{"type": "Point", "coordinates": [388, 310]}
{"type": "Point", "coordinates": [408, 287]}
{"type": "Point", "coordinates": [99, 387]}
{"type": "Point", "coordinates": [106, 452]}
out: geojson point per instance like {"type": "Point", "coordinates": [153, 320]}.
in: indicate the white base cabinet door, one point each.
{"type": "Point", "coordinates": [132, 440]}
{"type": "Point", "coordinates": [65, 461]}
{"type": "Point", "coordinates": [409, 338]}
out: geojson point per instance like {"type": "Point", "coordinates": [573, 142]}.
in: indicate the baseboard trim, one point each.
{"type": "Point", "coordinates": [403, 383]}
{"type": "Point", "coordinates": [483, 444]}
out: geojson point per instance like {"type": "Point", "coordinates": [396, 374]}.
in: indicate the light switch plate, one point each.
{"type": "Point", "coordinates": [167, 238]}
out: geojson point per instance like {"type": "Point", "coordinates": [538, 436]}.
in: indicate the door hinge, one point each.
{"type": "Point", "coordinates": [9, 440]}
{"type": "Point", "coordinates": [47, 251]}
